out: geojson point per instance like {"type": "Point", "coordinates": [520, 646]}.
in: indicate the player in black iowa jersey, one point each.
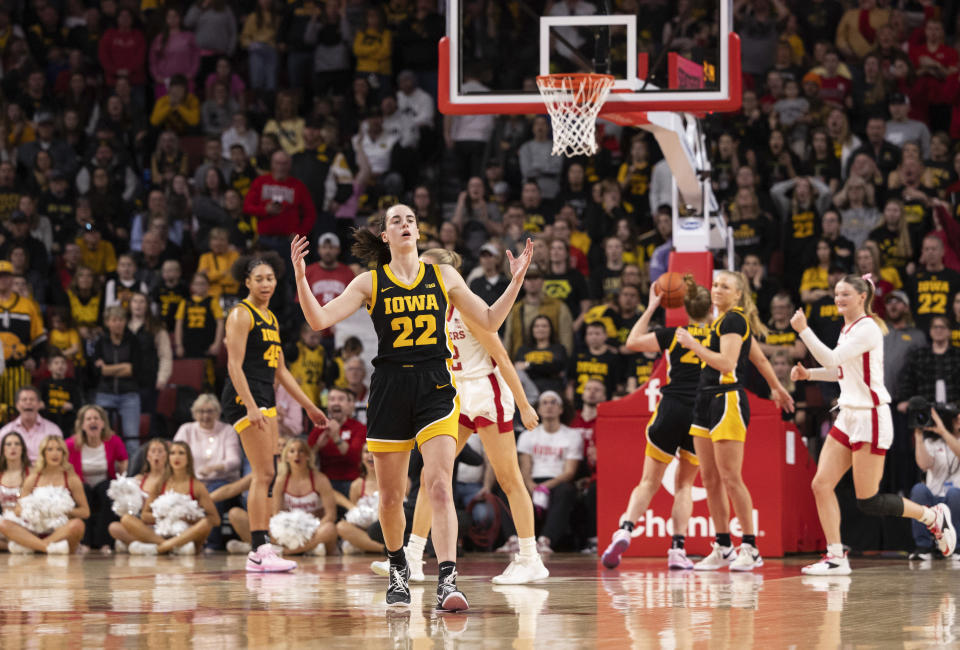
{"type": "Point", "coordinates": [668, 431]}
{"type": "Point", "coordinates": [254, 361]}
{"type": "Point", "coordinates": [413, 397]}
{"type": "Point", "coordinates": [722, 414]}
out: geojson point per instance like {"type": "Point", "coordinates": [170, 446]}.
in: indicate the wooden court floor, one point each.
{"type": "Point", "coordinates": [210, 602]}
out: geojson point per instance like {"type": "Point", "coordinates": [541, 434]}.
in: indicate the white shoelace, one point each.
{"type": "Point", "coordinates": [397, 581]}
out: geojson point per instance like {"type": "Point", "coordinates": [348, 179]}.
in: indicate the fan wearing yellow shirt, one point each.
{"type": "Point", "coordinates": [216, 265]}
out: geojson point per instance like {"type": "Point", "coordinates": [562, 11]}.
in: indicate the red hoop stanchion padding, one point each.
{"type": "Point", "coordinates": [573, 101]}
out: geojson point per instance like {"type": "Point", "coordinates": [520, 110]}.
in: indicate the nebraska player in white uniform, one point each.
{"type": "Point", "coordinates": [863, 431]}
{"type": "Point", "coordinates": [487, 384]}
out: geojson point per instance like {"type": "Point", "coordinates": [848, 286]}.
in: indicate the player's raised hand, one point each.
{"type": "Point", "coordinates": [655, 298]}
{"type": "Point", "coordinates": [799, 373]}
{"type": "Point", "coordinates": [519, 265]}
{"type": "Point", "coordinates": [798, 321]}
{"type": "Point", "coordinates": [299, 249]}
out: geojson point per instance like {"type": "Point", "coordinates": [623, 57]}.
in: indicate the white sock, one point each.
{"type": "Point", "coordinates": [835, 550]}
{"type": "Point", "coordinates": [415, 546]}
{"type": "Point", "coordinates": [928, 517]}
{"type": "Point", "coordinates": [528, 547]}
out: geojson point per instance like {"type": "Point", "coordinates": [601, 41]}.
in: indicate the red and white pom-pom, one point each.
{"type": "Point", "coordinates": [174, 513]}
{"type": "Point", "coordinates": [292, 529]}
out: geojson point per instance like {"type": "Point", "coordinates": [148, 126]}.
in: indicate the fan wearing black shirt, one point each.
{"type": "Point", "coordinates": [492, 283]}
{"type": "Point", "coordinates": [60, 394]}
{"type": "Point", "coordinates": [565, 283]}
{"type": "Point", "coordinates": [597, 361]}
{"type": "Point", "coordinates": [605, 281]}
{"type": "Point", "coordinates": [933, 286]}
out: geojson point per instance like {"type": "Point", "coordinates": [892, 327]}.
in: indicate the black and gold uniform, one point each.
{"type": "Point", "coordinates": [199, 316]}
{"type": "Point", "coordinates": [722, 411]}
{"type": "Point", "coordinates": [669, 428]}
{"type": "Point", "coordinates": [260, 360]}
{"type": "Point", "coordinates": [413, 396]}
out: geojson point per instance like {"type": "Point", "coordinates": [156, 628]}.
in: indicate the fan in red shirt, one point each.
{"type": "Point", "coordinates": [936, 66]}
{"type": "Point", "coordinates": [834, 88]}
{"type": "Point", "coordinates": [585, 420]}
{"type": "Point", "coordinates": [328, 277]}
{"type": "Point", "coordinates": [281, 204]}
{"type": "Point", "coordinates": [339, 445]}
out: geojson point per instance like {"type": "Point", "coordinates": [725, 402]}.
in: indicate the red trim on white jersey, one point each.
{"type": "Point", "coordinates": [874, 423]}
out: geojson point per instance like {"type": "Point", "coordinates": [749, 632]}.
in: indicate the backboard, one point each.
{"type": "Point", "coordinates": [666, 55]}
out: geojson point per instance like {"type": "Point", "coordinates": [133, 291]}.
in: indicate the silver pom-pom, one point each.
{"type": "Point", "coordinates": [292, 529]}
{"type": "Point", "coordinates": [174, 513]}
{"type": "Point", "coordinates": [126, 496]}
{"type": "Point", "coordinates": [365, 512]}
{"type": "Point", "coordinates": [45, 509]}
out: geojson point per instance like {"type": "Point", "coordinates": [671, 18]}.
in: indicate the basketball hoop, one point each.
{"type": "Point", "coordinates": [574, 101]}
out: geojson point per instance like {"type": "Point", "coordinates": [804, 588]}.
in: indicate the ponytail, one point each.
{"type": "Point", "coordinates": [747, 305]}
{"type": "Point", "coordinates": [369, 247]}
{"type": "Point", "coordinates": [864, 284]}
{"type": "Point", "coordinates": [697, 299]}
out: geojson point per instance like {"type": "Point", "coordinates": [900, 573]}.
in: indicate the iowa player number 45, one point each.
{"type": "Point", "coordinates": [272, 356]}
{"type": "Point", "coordinates": [406, 326]}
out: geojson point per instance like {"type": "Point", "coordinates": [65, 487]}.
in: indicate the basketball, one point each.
{"type": "Point", "coordinates": [673, 289]}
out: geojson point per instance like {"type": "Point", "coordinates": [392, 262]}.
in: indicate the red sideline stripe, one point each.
{"type": "Point", "coordinates": [874, 417]}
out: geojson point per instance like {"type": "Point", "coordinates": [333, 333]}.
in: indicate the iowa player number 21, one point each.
{"type": "Point", "coordinates": [426, 323]}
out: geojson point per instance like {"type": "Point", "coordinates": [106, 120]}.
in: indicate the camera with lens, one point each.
{"type": "Point", "coordinates": [919, 417]}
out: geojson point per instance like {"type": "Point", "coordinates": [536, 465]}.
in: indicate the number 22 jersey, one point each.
{"type": "Point", "coordinates": [409, 318]}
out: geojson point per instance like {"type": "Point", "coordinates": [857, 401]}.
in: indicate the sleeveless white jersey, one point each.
{"type": "Point", "coordinates": [858, 359]}
{"type": "Point", "coordinates": [470, 359]}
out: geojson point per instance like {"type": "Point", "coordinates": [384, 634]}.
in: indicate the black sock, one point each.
{"type": "Point", "coordinates": [397, 558]}
{"type": "Point", "coordinates": [723, 539]}
{"type": "Point", "coordinates": [749, 539]}
{"type": "Point", "coordinates": [627, 525]}
{"type": "Point", "coordinates": [446, 569]}
{"type": "Point", "coordinates": [258, 538]}
{"type": "Point", "coordinates": [677, 541]}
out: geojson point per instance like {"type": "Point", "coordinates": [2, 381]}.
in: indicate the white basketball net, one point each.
{"type": "Point", "coordinates": [574, 101]}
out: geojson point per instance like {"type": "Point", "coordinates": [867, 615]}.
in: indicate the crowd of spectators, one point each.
{"type": "Point", "coordinates": [145, 146]}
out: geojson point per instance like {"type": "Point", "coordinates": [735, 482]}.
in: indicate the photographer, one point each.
{"type": "Point", "coordinates": [938, 454]}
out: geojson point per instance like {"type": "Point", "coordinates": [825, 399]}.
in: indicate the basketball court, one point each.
{"type": "Point", "coordinates": [603, 68]}
{"type": "Point", "coordinates": [210, 602]}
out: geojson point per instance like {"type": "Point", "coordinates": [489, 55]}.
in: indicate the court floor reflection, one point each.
{"type": "Point", "coordinates": [210, 602]}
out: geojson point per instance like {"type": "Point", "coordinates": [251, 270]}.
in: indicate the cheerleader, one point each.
{"type": "Point", "coordinates": [863, 431]}
{"type": "Point", "coordinates": [52, 469]}
{"type": "Point", "coordinates": [303, 488]}
{"type": "Point", "coordinates": [488, 384]}
{"type": "Point", "coordinates": [147, 480]}
{"type": "Point", "coordinates": [13, 472]}
{"type": "Point", "coordinates": [178, 478]}
{"type": "Point", "coordinates": [365, 499]}
{"type": "Point", "coordinates": [722, 414]}
{"type": "Point", "coordinates": [668, 432]}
